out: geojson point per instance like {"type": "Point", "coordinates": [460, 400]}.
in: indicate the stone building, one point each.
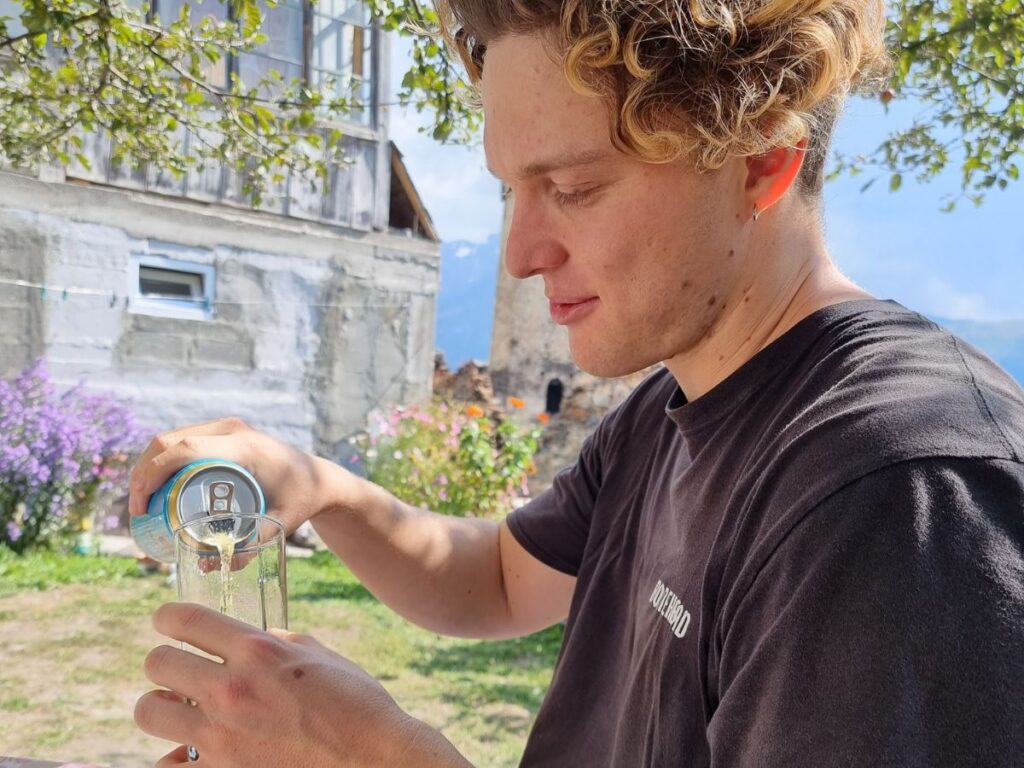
{"type": "Point", "coordinates": [299, 317]}
{"type": "Point", "coordinates": [530, 360]}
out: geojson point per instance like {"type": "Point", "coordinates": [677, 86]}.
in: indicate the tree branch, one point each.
{"type": "Point", "coordinates": [9, 41]}
{"type": "Point", "coordinates": [963, 26]}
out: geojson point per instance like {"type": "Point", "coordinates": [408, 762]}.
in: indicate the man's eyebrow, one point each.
{"type": "Point", "coordinates": [571, 160]}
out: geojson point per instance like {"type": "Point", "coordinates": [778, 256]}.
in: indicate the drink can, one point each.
{"type": "Point", "coordinates": [200, 489]}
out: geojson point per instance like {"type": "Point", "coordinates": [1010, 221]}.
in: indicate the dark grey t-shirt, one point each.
{"type": "Point", "coordinates": [820, 562]}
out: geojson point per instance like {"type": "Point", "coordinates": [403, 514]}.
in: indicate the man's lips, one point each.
{"type": "Point", "coordinates": [565, 311]}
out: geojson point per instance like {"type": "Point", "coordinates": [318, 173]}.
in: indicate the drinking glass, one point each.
{"type": "Point", "coordinates": [247, 583]}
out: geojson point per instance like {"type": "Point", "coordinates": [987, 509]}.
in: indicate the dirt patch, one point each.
{"type": "Point", "coordinates": [71, 675]}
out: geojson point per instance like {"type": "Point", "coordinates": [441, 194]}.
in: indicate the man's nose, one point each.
{"type": "Point", "coordinates": [533, 245]}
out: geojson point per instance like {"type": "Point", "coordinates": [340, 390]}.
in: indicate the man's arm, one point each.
{"type": "Point", "coordinates": [885, 628]}
{"type": "Point", "coordinates": [456, 576]}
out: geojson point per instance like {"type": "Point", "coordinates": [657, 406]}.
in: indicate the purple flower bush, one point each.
{"type": "Point", "coordinates": [57, 451]}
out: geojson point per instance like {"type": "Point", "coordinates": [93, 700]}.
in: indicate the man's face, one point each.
{"type": "Point", "coordinates": [638, 259]}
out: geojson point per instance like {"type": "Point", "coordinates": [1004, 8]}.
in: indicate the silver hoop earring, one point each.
{"type": "Point", "coordinates": [756, 212]}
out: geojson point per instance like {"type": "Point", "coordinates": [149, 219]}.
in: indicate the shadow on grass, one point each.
{"type": "Point", "coordinates": [323, 577]}
{"type": "Point", "coordinates": [489, 673]}
{"type": "Point", "coordinates": [474, 694]}
{"type": "Point", "coordinates": [320, 591]}
{"type": "Point", "coordinates": [535, 652]}
{"type": "Point", "coordinates": [493, 713]}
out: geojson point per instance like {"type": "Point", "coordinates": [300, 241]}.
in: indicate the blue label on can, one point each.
{"type": "Point", "coordinates": [180, 500]}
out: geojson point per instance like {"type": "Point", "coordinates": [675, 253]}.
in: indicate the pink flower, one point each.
{"type": "Point", "coordinates": [442, 495]}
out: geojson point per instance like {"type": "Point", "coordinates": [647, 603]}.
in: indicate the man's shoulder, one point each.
{"type": "Point", "coordinates": [887, 390]}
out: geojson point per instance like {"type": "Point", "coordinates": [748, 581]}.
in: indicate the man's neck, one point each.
{"type": "Point", "coordinates": [774, 303]}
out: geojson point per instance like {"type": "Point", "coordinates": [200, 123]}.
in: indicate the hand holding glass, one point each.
{"type": "Point", "coordinates": [234, 564]}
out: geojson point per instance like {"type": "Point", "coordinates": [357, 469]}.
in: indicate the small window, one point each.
{"type": "Point", "coordinates": [553, 398]}
{"type": "Point", "coordinates": [173, 288]}
{"type": "Point", "coordinates": [157, 283]}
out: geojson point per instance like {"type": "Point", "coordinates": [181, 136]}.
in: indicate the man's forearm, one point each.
{"type": "Point", "coordinates": [441, 572]}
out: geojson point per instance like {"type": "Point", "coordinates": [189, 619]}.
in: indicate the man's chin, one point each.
{"type": "Point", "coordinates": [608, 363]}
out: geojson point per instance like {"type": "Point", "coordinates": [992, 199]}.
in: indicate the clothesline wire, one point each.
{"type": "Point", "coordinates": [47, 289]}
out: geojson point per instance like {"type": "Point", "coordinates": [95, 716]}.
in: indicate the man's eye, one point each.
{"type": "Point", "coordinates": [573, 198]}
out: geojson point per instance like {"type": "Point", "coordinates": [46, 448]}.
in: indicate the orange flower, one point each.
{"type": "Point", "coordinates": [475, 411]}
{"type": "Point", "coordinates": [515, 402]}
{"type": "Point", "coordinates": [543, 418]}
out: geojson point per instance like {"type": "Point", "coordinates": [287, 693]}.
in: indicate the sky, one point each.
{"type": "Point", "coordinates": [968, 264]}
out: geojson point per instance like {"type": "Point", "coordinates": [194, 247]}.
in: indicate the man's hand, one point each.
{"type": "Point", "coordinates": [278, 699]}
{"type": "Point", "coordinates": [294, 482]}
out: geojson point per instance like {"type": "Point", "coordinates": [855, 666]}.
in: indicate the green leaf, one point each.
{"type": "Point", "coordinates": [264, 117]}
{"type": "Point", "coordinates": [67, 74]}
{"type": "Point", "coordinates": [895, 181]}
{"type": "Point", "coordinates": [36, 17]}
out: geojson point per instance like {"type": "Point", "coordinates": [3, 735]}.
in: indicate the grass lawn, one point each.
{"type": "Point", "coordinates": [74, 631]}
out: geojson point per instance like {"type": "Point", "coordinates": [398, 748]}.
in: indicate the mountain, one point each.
{"type": "Point", "coordinates": [1002, 341]}
{"type": "Point", "coordinates": [465, 303]}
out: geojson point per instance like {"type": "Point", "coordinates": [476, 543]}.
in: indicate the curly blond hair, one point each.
{"type": "Point", "coordinates": [703, 79]}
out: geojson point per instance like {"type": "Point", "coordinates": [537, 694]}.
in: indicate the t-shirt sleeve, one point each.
{"type": "Point", "coordinates": [554, 526]}
{"type": "Point", "coordinates": [885, 629]}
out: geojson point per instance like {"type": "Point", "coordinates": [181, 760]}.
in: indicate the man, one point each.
{"type": "Point", "coordinates": [801, 542]}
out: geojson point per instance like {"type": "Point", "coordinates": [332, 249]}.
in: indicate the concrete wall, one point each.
{"type": "Point", "coordinates": [315, 324]}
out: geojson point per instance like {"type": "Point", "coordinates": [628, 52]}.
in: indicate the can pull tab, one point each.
{"type": "Point", "coordinates": [222, 496]}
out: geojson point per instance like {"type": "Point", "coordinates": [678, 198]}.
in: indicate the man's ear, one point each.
{"type": "Point", "coordinates": [770, 175]}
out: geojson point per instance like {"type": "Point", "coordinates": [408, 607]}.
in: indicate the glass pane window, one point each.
{"type": "Point", "coordinates": [282, 25]}
{"type": "Point", "coordinates": [351, 11]}
{"type": "Point", "coordinates": [170, 10]}
{"type": "Point", "coordinates": [166, 287]}
{"type": "Point", "coordinates": [252, 68]}
{"type": "Point", "coordinates": [156, 283]}
{"type": "Point", "coordinates": [358, 92]}
{"type": "Point", "coordinates": [282, 51]}
{"type": "Point", "coordinates": [341, 51]}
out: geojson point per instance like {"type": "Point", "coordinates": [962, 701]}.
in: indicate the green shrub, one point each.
{"type": "Point", "coordinates": [457, 460]}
